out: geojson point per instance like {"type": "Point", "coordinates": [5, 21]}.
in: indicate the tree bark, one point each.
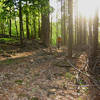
{"type": "Point", "coordinates": [39, 27]}
{"type": "Point", "coordinates": [64, 23]}
{"type": "Point", "coordinates": [45, 35]}
{"type": "Point", "coordinates": [95, 32]}
{"type": "Point", "coordinates": [80, 30]}
{"type": "Point", "coordinates": [34, 27]}
{"type": "Point", "coordinates": [10, 27]}
{"type": "Point", "coordinates": [45, 27]}
{"type": "Point", "coordinates": [70, 38]}
{"type": "Point", "coordinates": [10, 24]}
{"type": "Point", "coordinates": [16, 27]}
{"type": "Point", "coordinates": [84, 31]}
{"type": "Point", "coordinates": [27, 22]}
{"type": "Point", "coordinates": [91, 49]}
{"type": "Point", "coordinates": [51, 30]}
{"type": "Point", "coordinates": [62, 28]}
{"type": "Point", "coordinates": [21, 25]}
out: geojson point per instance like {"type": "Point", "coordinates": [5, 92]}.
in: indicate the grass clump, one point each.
{"type": "Point", "coordinates": [69, 76]}
{"type": "Point", "coordinates": [19, 82]}
{"type": "Point", "coordinates": [8, 40]}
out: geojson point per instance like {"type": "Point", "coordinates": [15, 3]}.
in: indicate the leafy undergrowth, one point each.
{"type": "Point", "coordinates": [39, 76]}
{"type": "Point", "coordinates": [8, 40]}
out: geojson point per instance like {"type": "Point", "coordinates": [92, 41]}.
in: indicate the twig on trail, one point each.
{"type": "Point", "coordinates": [76, 68]}
{"type": "Point", "coordinates": [94, 81]}
{"type": "Point", "coordinates": [94, 66]}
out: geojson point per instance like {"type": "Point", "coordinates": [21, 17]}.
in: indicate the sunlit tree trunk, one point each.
{"type": "Point", "coordinates": [23, 29]}
{"type": "Point", "coordinates": [95, 31]}
{"type": "Point", "coordinates": [10, 23]}
{"type": "Point", "coordinates": [27, 22]}
{"type": "Point", "coordinates": [10, 27]}
{"type": "Point", "coordinates": [84, 31]}
{"type": "Point", "coordinates": [34, 27]}
{"type": "Point", "coordinates": [70, 38]}
{"type": "Point", "coordinates": [16, 26]}
{"type": "Point", "coordinates": [78, 34]}
{"type": "Point", "coordinates": [39, 27]}
{"type": "Point", "coordinates": [31, 26]}
{"type": "Point", "coordinates": [51, 30]}
{"type": "Point", "coordinates": [62, 32]}
{"type": "Point", "coordinates": [91, 49]}
{"type": "Point", "coordinates": [76, 23]}
{"type": "Point", "coordinates": [64, 23]}
{"type": "Point", "coordinates": [2, 27]}
{"type": "Point", "coordinates": [56, 27]}
{"type": "Point", "coordinates": [45, 27]}
{"type": "Point", "coordinates": [80, 30]}
{"type": "Point", "coordinates": [21, 25]}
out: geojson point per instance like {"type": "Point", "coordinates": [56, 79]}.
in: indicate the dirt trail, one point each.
{"type": "Point", "coordinates": [38, 75]}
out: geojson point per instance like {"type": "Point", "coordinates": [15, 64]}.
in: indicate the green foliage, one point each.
{"type": "Point", "coordinates": [7, 62]}
{"type": "Point", "coordinates": [8, 40]}
{"type": "Point", "coordinates": [34, 98]}
{"type": "Point", "coordinates": [9, 10]}
{"type": "Point", "coordinates": [54, 32]}
{"type": "Point", "coordinates": [19, 82]}
{"type": "Point", "coordinates": [69, 76]}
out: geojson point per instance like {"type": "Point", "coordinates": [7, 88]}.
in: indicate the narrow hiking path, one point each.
{"type": "Point", "coordinates": [38, 75]}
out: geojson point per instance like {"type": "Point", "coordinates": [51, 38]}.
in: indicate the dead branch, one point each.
{"type": "Point", "coordinates": [93, 80]}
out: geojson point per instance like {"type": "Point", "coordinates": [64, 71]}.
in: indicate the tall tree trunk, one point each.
{"type": "Point", "coordinates": [62, 30]}
{"type": "Point", "coordinates": [84, 31]}
{"type": "Point", "coordinates": [76, 23]}
{"type": "Point", "coordinates": [75, 31]}
{"type": "Point", "coordinates": [27, 28]}
{"type": "Point", "coordinates": [70, 38]}
{"type": "Point", "coordinates": [91, 49]}
{"type": "Point", "coordinates": [34, 27]}
{"type": "Point", "coordinates": [27, 22]}
{"type": "Point", "coordinates": [10, 24]}
{"type": "Point", "coordinates": [80, 29]}
{"type": "Point", "coordinates": [39, 27]}
{"type": "Point", "coordinates": [16, 27]}
{"type": "Point", "coordinates": [56, 23]}
{"type": "Point", "coordinates": [45, 30]}
{"type": "Point", "coordinates": [10, 27]}
{"type": "Point", "coordinates": [64, 23]}
{"type": "Point", "coordinates": [22, 29]}
{"type": "Point", "coordinates": [45, 27]}
{"type": "Point", "coordinates": [95, 31]}
{"type": "Point", "coordinates": [51, 30]}
{"type": "Point", "coordinates": [78, 34]}
{"type": "Point", "coordinates": [21, 24]}
{"type": "Point", "coordinates": [56, 26]}
{"type": "Point", "coordinates": [31, 26]}
{"type": "Point", "coordinates": [4, 28]}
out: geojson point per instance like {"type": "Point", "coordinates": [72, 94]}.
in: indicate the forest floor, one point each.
{"type": "Point", "coordinates": [33, 72]}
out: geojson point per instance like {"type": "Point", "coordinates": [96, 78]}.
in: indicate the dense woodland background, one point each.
{"type": "Point", "coordinates": [32, 19]}
{"type": "Point", "coordinates": [28, 50]}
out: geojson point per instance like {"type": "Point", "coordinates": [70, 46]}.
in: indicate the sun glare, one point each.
{"type": "Point", "coordinates": [88, 7]}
